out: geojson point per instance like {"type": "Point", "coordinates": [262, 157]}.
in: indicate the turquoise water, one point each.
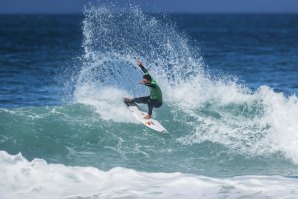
{"type": "Point", "coordinates": [76, 135]}
{"type": "Point", "coordinates": [230, 106]}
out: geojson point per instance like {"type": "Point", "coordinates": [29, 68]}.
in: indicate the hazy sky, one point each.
{"type": "Point", "coordinates": [193, 6]}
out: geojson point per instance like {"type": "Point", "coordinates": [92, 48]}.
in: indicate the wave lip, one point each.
{"type": "Point", "coordinates": [38, 179]}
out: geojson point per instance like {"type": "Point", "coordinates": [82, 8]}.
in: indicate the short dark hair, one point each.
{"type": "Point", "coordinates": [148, 77]}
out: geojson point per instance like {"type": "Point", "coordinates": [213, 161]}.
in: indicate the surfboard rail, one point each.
{"type": "Point", "coordinates": [139, 115]}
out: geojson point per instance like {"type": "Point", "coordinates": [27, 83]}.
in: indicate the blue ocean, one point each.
{"type": "Point", "coordinates": [229, 83]}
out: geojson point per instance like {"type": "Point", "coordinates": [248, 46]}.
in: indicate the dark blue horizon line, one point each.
{"type": "Point", "coordinates": [159, 13]}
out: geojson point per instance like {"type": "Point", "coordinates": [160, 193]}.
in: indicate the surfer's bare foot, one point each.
{"type": "Point", "coordinates": [147, 117]}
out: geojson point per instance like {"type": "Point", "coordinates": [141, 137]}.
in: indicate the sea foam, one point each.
{"type": "Point", "coordinates": [38, 179]}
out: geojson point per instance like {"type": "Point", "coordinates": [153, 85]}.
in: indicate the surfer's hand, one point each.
{"type": "Point", "coordinates": [138, 62]}
{"type": "Point", "coordinates": [142, 82]}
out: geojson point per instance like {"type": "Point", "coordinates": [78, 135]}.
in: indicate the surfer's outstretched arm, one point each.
{"type": "Point", "coordinates": [140, 64]}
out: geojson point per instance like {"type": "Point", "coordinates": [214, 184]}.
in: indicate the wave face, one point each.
{"type": "Point", "coordinates": [38, 179]}
{"type": "Point", "coordinates": [202, 109]}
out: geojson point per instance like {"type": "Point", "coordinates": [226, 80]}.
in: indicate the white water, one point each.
{"type": "Point", "coordinates": [108, 103]}
{"type": "Point", "coordinates": [257, 123]}
{"type": "Point", "coordinates": [38, 179]}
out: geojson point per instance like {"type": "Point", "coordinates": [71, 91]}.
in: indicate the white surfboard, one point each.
{"type": "Point", "coordinates": [139, 114]}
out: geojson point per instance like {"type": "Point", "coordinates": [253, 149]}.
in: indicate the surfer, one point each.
{"type": "Point", "coordinates": [155, 97]}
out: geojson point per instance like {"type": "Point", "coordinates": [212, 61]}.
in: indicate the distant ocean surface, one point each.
{"type": "Point", "coordinates": [230, 85]}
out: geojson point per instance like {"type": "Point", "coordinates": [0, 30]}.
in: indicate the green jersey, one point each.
{"type": "Point", "coordinates": [155, 91]}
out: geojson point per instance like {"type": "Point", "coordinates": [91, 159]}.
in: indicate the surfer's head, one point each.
{"type": "Point", "coordinates": [147, 78]}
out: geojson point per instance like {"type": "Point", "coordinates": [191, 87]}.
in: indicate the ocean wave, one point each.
{"type": "Point", "coordinates": [214, 123]}
{"type": "Point", "coordinates": [215, 109]}
{"type": "Point", "coordinates": [38, 179]}
{"type": "Point", "coordinates": [79, 135]}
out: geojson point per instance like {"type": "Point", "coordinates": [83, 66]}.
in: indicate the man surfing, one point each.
{"type": "Point", "coordinates": [155, 97]}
